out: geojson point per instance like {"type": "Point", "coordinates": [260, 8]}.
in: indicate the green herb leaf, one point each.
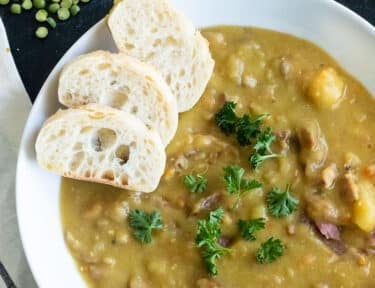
{"type": "Point", "coordinates": [264, 141]}
{"type": "Point", "coordinates": [216, 215]}
{"type": "Point", "coordinates": [269, 251]}
{"type": "Point", "coordinates": [249, 227]}
{"type": "Point", "coordinates": [144, 223]}
{"type": "Point", "coordinates": [256, 159]}
{"type": "Point", "coordinates": [281, 204]}
{"type": "Point", "coordinates": [196, 184]}
{"type": "Point", "coordinates": [226, 118]}
{"type": "Point", "coordinates": [234, 182]}
{"type": "Point", "coordinates": [248, 128]}
{"type": "Point", "coordinates": [208, 233]}
{"type": "Point", "coordinates": [262, 149]}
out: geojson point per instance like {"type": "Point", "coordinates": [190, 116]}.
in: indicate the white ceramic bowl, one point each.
{"type": "Point", "coordinates": [346, 36]}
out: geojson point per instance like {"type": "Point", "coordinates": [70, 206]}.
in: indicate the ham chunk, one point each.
{"type": "Point", "coordinates": [328, 230]}
{"type": "Point", "coordinates": [313, 147]}
{"type": "Point", "coordinates": [329, 176]}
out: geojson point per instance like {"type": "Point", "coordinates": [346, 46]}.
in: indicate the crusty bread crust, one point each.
{"type": "Point", "coordinates": [152, 31]}
{"type": "Point", "coordinates": [121, 82]}
{"type": "Point", "coordinates": [104, 145]}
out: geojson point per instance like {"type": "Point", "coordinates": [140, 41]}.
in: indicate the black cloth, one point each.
{"type": "Point", "coordinates": [35, 58]}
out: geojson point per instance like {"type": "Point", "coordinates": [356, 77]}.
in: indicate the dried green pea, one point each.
{"type": "Point", "coordinates": [74, 10]}
{"type": "Point", "coordinates": [51, 22]}
{"type": "Point", "coordinates": [66, 4]}
{"type": "Point", "coordinates": [4, 2]}
{"type": "Point", "coordinates": [15, 8]}
{"type": "Point", "coordinates": [27, 4]}
{"type": "Point", "coordinates": [39, 4]}
{"type": "Point", "coordinates": [41, 32]}
{"type": "Point", "coordinates": [53, 8]}
{"type": "Point", "coordinates": [63, 14]}
{"type": "Point", "coordinates": [41, 15]}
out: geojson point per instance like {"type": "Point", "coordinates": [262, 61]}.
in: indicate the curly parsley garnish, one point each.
{"type": "Point", "coordinates": [281, 204]}
{"type": "Point", "coordinates": [236, 184]}
{"type": "Point", "coordinates": [249, 227]}
{"type": "Point", "coordinates": [269, 251]}
{"type": "Point", "coordinates": [248, 130]}
{"type": "Point", "coordinates": [196, 184]}
{"type": "Point", "coordinates": [262, 148]}
{"type": "Point", "coordinates": [208, 233]}
{"type": "Point", "coordinates": [144, 223]}
{"type": "Point", "coordinates": [226, 119]}
{"type": "Point", "coordinates": [246, 127]}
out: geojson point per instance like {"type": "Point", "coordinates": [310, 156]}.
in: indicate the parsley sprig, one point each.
{"type": "Point", "coordinates": [269, 251]}
{"type": "Point", "coordinates": [281, 204]}
{"type": "Point", "coordinates": [236, 184]}
{"type": "Point", "coordinates": [208, 233]}
{"type": "Point", "coordinates": [248, 131]}
{"type": "Point", "coordinates": [246, 128]}
{"type": "Point", "coordinates": [196, 184]}
{"type": "Point", "coordinates": [226, 119]}
{"type": "Point", "coordinates": [249, 227]}
{"type": "Point", "coordinates": [144, 223]}
{"type": "Point", "coordinates": [262, 149]}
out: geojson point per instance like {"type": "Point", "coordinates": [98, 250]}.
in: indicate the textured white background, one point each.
{"type": "Point", "coordinates": [14, 108]}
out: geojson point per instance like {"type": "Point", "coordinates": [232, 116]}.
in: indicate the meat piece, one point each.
{"type": "Point", "coordinates": [328, 234]}
{"type": "Point", "coordinates": [313, 147]}
{"type": "Point", "coordinates": [337, 246]}
{"type": "Point", "coordinates": [282, 141]}
{"type": "Point", "coordinates": [329, 176]}
{"type": "Point", "coordinates": [181, 163]}
{"type": "Point", "coordinates": [328, 230]}
{"type": "Point", "coordinates": [351, 190]}
{"type": "Point", "coordinates": [225, 241]}
{"type": "Point", "coordinates": [207, 283]}
{"type": "Point", "coordinates": [208, 203]}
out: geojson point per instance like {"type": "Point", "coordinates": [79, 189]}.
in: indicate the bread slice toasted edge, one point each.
{"type": "Point", "coordinates": [121, 82]}
{"type": "Point", "coordinates": [176, 48]}
{"type": "Point", "coordinates": [100, 144]}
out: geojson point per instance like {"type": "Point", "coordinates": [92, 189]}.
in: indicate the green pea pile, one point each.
{"type": "Point", "coordinates": [47, 11]}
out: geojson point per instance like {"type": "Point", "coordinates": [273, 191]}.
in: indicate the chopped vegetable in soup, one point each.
{"type": "Point", "coordinates": [269, 182]}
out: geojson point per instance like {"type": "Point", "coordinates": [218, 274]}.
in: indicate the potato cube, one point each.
{"type": "Point", "coordinates": [364, 207]}
{"type": "Point", "coordinates": [327, 88]}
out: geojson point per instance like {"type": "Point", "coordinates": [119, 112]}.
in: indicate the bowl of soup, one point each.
{"type": "Point", "coordinates": [269, 181]}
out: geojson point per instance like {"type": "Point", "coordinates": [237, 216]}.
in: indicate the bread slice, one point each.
{"type": "Point", "coordinates": [154, 32]}
{"type": "Point", "coordinates": [122, 82]}
{"type": "Point", "coordinates": [100, 144]}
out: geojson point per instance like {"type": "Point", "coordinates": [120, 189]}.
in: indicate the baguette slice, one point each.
{"type": "Point", "coordinates": [154, 32]}
{"type": "Point", "coordinates": [124, 83]}
{"type": "Point", "coordinates": [100, 144]}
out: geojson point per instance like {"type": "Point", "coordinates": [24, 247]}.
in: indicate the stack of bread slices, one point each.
{"type": "Point", "coordinates": [123, 107]}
